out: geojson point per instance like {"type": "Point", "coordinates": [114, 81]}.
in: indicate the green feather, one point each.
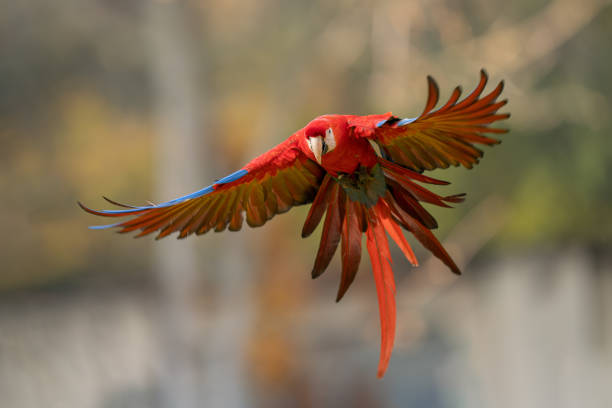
{"type": "Point", "coordinates": [365, 185]}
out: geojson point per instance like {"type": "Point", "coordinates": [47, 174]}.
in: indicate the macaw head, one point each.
{"type": "Point", "coordinates": [323, 134]}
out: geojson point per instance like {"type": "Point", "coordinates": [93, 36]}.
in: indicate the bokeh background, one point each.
{"type": "Point", "coordinates": [145, 100]}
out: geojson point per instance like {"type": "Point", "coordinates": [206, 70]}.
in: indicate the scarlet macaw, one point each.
{"type": "Point", "coordinates": [332, 163]}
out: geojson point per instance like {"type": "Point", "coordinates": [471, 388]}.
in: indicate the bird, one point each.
{"type": "Point", "coordinates": [362, 174]}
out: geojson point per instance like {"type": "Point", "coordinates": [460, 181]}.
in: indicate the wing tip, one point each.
{"type": "Point", "coordinates": [114, 213]}
{"type": "Point", "coordinates": [117, 203]}
{"type": "Point", "coordinates": [131, 210]}
{"type": "Point", "coordinates": [432, 83]}
{"type": "Point", "coordinates": [84, 207]}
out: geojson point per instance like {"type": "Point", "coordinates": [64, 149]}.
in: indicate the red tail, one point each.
{"type": "Point", "coordinates": [380, 256]}
{"type": "Point", "coordinates": [347, 220]}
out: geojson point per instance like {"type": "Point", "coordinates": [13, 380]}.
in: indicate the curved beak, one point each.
{"type": "Point", "coordinates": [316, 146]}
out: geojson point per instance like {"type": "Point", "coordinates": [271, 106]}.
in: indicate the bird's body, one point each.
{"type": "Point", "coordinates": [332, 163]}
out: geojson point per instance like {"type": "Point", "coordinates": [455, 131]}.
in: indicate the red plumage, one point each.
{"type": "Point", "coordinates": [332, 164]}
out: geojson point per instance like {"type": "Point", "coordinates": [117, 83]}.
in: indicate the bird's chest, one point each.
{"type": "Point", "coordinates": [349, 156]}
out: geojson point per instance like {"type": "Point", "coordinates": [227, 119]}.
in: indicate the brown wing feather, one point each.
{"type": "Point", "coordinates": [269, 185]}
{"type": "Point", "coordinates": [444, 137]}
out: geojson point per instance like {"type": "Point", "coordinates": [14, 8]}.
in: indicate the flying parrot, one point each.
{"type": "Point", "coordinates": [361, 172]}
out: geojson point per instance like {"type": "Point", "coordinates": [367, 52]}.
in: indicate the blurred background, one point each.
{"type": "Point", "coordinates": [147, 100]}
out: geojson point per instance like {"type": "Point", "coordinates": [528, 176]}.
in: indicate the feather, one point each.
{"type": "Point", "coordinates": [119, 204]}
{"type": "Point", "coordinates": [409, 204]}
{"type": "Point", "coordinates": [420, 193]}
{"type": "Point", "coordinates": [318, 207]}
{"type": "Point", "coordinates": [378, 248]}
{"type": "Point", "coordinates": [472, 97]}
{"type": "Point", "coordinates": [401, 172]}
{"type": "Point", "coordinates": [433, 94]}
{"type": "Point", "coordinates": [425, 237]}
{"type": "Point", "coordinates": [396, 234]}
{"type": "Point", "coordinates": [451, 101]}
{"type": "Point", "coordinates": [351, 246]}
{"type": "Point", "coordinates": [330, 237]}
{"type": "Point", "coordinates": [255, 210]}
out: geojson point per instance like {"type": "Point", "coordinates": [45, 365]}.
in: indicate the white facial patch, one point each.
{"type": "Point", "coordinates": [330, 139]}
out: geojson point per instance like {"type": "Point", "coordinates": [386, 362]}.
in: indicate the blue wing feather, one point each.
{"type": "Point", "coordinates": [394, 121]}
{"type": "Point", "coordinates": [225, 180]}
{"type": "Point", "coordinates": [406, 121]}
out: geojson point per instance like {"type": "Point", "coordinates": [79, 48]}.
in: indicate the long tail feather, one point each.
{"type": "Point", "coordinates": [378, 248]}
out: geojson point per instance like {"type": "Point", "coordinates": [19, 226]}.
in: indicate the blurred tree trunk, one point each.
{"type": "Point", "coordinates": [176, 166]}
{"type": "Point", "coordinates": [200, 367]}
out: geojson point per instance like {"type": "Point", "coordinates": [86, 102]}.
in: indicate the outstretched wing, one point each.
{"type": "Point", "coordinates": [440, 138]}
{"type": "Point", "coordinates": [268, 185]}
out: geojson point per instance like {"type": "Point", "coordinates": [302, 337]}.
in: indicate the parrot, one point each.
{"type": "Point", "coordinates": [363, 174]}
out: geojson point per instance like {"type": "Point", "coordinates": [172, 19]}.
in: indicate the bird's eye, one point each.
{"type": "Point", "coordinates": [329, 142]}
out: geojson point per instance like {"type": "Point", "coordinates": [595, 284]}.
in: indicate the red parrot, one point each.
{"type": "Point", "coordinates": [361, 172]}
